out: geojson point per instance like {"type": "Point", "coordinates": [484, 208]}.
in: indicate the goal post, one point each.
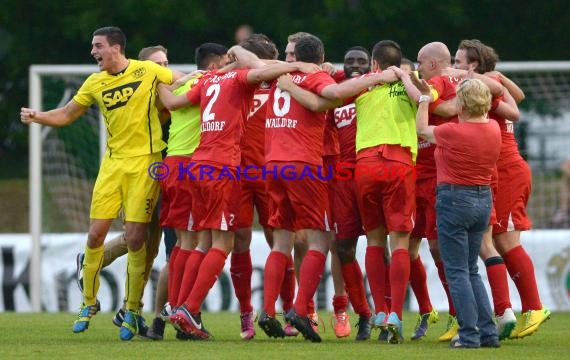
{"type": "Point", "coordinates": [546, 84]}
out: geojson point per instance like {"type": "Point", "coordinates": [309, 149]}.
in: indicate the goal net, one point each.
{"type": "Point", "coordinates": [64, 162]}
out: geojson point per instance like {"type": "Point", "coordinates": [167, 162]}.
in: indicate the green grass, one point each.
{"type": "Point", "coordinates": [49, 336]}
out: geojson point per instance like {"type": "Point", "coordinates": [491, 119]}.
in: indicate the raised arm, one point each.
{"type": "Point", "coordinates": [355, 86]}
{"type": "Point", "coordinates": [422, 116]}
{"type": "Point", "coordinates": [404, 76]}
{"type": "Point", "coordinates": [516, 92]}
{"type": "Point", "coordinates": [56, 118]}
{"type": "Point", "coordinates": [306, 98]}
{"type": "Point", "coordinates": [495, 87]}
{"type": "Point", "coordinates": [508, 108]}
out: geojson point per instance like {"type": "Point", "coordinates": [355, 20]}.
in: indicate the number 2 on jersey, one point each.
{"type": "Point", "coordinates": [214, 89]}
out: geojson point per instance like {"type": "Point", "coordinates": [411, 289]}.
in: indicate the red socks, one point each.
{"type": "Point", "coordinates": [418, 281]}
{"type": "Point", "coordinates": [399, 277]}
{"type": "Point", "coordinates": [288, 286]}
{"type": "Point", "coordinates": [310, 275]}
{"type": "Point", "coordinates": [273, 279]}
{"type": "Point", "coordinates": [210, 269]}
{"type": "Point", "coordinates": [375, 271]}
{"type": "Point", "coordinates": [497, 275]}
{"type": "Point", "coordinates": [441, 273]}
{"type": "Point", "coordinates": [521, 270]}
{"type": "Point", "coordinates": [241, 270]}
{"type": "Point", "coordinates": [354, 284]}
{"type": "Point", "coordinates": [176, 272]}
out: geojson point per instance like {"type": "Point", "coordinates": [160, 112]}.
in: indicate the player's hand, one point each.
{"type": "Point", "coordinates": [328, 67]}
{"type": "Point", "coordinates": [399, 72]}
{"type": "Point", "coordinates": [307, 67]}
{"type": "Point", "coordinates": [421, 84]}
{"type": "Point", "coordinates": [285, 82]}
{"type": "Point", "coordinates": [27, 115]}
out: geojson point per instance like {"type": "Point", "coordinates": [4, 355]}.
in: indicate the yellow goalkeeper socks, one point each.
{"type": "Point", "coordinates": [92, 263]}
{"type": "Point", "coordinates": [134, 286]}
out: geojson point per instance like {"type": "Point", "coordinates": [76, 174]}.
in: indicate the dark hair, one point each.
{"type": "Point", "coordinates": [408, 62]}
{"type": "Point", "coordinates": [310, 48]}
{"type": "Point", "coordinates": [293, 38]}
{"type": "Point", "coordinates": [148, 51]}
{"type": "Point", "coordinates": [387, 53]}
{"type": "Point", "coordinates": [114, 35]}
{"type": "Point", "coordinates": [206, 52]}
{"type": "Point", "coordinates": [359, 48]}
{"type": "Point", "coordinates": [260, 45]}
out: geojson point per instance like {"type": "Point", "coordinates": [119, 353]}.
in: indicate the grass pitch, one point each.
{"type": "Point", "coordinates": [49, 336]}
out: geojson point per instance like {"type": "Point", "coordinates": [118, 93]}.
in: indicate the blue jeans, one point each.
{"type": "Point", "coordinates": [462, 217]}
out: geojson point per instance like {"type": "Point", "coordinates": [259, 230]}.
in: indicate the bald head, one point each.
{"type": "Point", "coordinates": [433, 57]}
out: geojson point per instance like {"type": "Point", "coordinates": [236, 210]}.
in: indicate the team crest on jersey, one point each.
{"type": "Point", "coordinates": [139, 72]}
{"type": "Point", "coordinates": [119, 96]}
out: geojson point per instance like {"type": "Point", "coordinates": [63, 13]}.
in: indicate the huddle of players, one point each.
{"type": "Point", "coordinates": [219, 120]}
{"type": "Point", "coordinates": [298, 209]}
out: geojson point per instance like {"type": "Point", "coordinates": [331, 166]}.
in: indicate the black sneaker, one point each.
{"type": "Point", "coordinates": [303, 324]}
{"type": "Point", "coordinates": [491, 343]}
{"type": "Point", "coordinates": [364, 328]}
{"type": "Point", "coordinates": [119, 317]}
{"type": "Point", "coordinates": [156, 330]}
{"type": "Point", "coordinates": [79, 271]}
{"type": "Point", "coordinates": [270, 325]}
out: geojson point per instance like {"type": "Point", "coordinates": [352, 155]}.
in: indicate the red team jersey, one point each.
{"type": "Point", "coordinates": [223, 115]}
{"type": "Point", "coordinates": [294, 133]}
{"type": "Point", "coordinates": [445, 87]}
{"type": "Point", "coordinates": [345, 120]}
{"type": "Point", "coordinates": [253, 141]}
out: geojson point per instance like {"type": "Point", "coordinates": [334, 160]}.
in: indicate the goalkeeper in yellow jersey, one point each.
{"type": "Point", "coordinates": [125, 90]}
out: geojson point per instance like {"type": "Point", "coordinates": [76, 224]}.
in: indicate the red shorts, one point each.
{"type": "Point", "coordinates": [425, 224]}
{"type": "Point", "coordinates": [253, 194]}
{"type": "Point", "coordinates": [386, 200]}
{"type": "Point", "coordinates": [176, 203]}
{"type": "Point", "coordinates": [215, 197]}
{"type": "Point", "coordinates": [296, 202]}
{"type": "Point", "coordinates": [347, 222]}
{"type": "Point", "coordinates": [512, 197]}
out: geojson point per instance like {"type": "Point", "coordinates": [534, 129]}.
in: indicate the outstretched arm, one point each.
{"type": "Point", "coordinates": [508, 108]}
{"type": "Point", "coordinates": [495, 87]}
{"type": "Point", "coordinates": [57, 117]}
{"type": "Point", "coordinates": [169, 100]}
{"type": "Point", "coordinates": [516, 92]}
{"type": "Point", "coordinates": [306, 98]}
{"type": "Point", "coordinates": [357, 85]}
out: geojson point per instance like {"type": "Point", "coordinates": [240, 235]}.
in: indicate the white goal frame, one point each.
{"type": "Point", "coordinates": [36, 73]}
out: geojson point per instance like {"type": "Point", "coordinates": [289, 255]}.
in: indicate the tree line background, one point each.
{"type": "Point", "coordinates": [60, 32]}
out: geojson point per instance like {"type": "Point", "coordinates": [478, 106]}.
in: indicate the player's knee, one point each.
{"type": "Point", "coordinates": [346, 250]}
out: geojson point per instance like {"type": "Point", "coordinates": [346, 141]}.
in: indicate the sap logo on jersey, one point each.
{"type": "Point", "coordinates": [119, 96]}
{"type": "Point", "coordinates": [343, 116]}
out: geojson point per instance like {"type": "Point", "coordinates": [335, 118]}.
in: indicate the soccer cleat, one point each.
{"type": "Point", "coordinates": [379, 321]}
{"type": "Point", "coordinates": [119, 317]}
{"type": "Point", "coordinates": [451, 330]}
{"type": "Point", "coordinates": [395, 327]}
{"type": "Point", "coordinates": [247, 328]}
{"type": "Point", "coordinates": [181, 335]}
{"type": "Point", "coordinates": [506, 324]}
{"type": "Point", "coordinates": [304, 325]}
{"type": "Point", "coordinates": [166, 311]}
{"type": "Point", "coordinates": [270, 325]}
{"type": "Point", "coordinates": [529, 322]}
{"type": "Point", "coordinates": [314, 321]}
{"type": "Point", "coordinates": [189, 323]}
{"type": "Point", "coordinates": [290, 330]}
{"type": "Point", "coordinates": [156, 329]}
{"type": "Point", "coordinates": [86, 312]}
{"type": "Point", "coordinates": [130, 326]}
{"type": "Point", "coordinates": [364, 328]}
{"type": "Point", "coordinates": [424, 320]}
{"type": "Point", "coordinates": [79, 270]}
{"type": "Point", "coordinates": [341, 324]}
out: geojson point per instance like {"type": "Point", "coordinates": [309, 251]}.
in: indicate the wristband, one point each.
{"type": "Point", "coordinates": [424, 98]}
